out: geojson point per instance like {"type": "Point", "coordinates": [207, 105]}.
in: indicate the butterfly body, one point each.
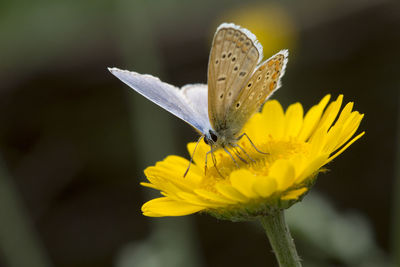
{"type": "Point", "coordinates": [238, 84]}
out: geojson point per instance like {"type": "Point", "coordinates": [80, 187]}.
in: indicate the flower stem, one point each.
{"type": "Point", "coordinates": [281, 241]}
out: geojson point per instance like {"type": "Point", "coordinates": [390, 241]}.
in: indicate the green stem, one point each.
{"type": "Point", "coordinates": [281, 241]}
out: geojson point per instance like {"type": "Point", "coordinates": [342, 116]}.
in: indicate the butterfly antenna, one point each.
{"type": "Point", "coordinates": [191, 158]}
{"type": "Point", "coordinates": [259, 151]}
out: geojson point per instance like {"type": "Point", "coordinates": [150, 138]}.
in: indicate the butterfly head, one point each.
{"type": "Point", "coordinates": [211, 138]}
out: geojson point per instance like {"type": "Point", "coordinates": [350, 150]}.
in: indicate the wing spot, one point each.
{"type": "Point", "coordinates": [272, 86]}
{"type": "Point", "coordinates": [216, 62]}
{"type": "Point", "coordinates": [220, 79]}
{"type": "Point", "coordinates": [249, 85]}
{"type": "Point", "coordinates": [229, 55]}
{"type": "Point", "coordinates": [235, 68]}
{"type": "Point", "coordinates": [230, 93]}
{"type": "Point", "coordinates": [221, 96]}
{"type": "Point", "coordinates": [233, 59]}
{"type": "Point", "coordinates": [247, 43]}
{"type": "Point", "coordinates": [223, 55]}
{"type": "Point", "coordinates": [241, 39]}
{"type": "Point", "coordinates": [259, 78]}
{"type": "Point", "coordinates": [237, 104]}
{"type": "Point", "coordinates": [243, 73]}
{"type": "Point", "coordinates": [236, 34]}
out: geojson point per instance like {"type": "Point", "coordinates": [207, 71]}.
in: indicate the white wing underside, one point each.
{"type": "Point", "coordinates": [189, 103]}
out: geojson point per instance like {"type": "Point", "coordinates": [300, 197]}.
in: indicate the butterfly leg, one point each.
{"type": "Point", "coordinates": [214, 162]}
{"type": "Point", "coordinates": [233, 159]}
{"type": "Point", "coordinates": [205, 162]}
{"type": "Point", "coordinates": [237, 154]}
{"type": "Point", "coordinates": [191, 158]}
{"type": "Point", "coordinates": [259, 151]}
{"type": "Point", "coordinates": [244, 151]}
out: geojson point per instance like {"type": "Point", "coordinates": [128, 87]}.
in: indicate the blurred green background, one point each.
{"type": "Point", "coordinates": [74, 140]}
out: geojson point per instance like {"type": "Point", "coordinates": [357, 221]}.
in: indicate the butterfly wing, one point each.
{"type": "Point", "coordinates": [196, 94]}
{"type": "Point", "coordinates": [169, 97]}
{"type": "Point", "coordinates": [263, 83]}
{"type": "Point", "coordinates": [235, 53]}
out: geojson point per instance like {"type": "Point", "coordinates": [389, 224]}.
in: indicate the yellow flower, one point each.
{"type": "Point", "coordinates": [298, 147]}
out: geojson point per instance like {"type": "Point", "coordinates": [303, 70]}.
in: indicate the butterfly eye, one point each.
{"type": "Point", "coordinates": [206, 140]}
{"type": "Point", "coordinates": [213, 136]}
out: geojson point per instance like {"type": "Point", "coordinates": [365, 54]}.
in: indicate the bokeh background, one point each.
{"type": "Point", "coordinates": [74, 140]}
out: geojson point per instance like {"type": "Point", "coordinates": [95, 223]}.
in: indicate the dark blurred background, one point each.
{"type": "Point", "coordinates": [74, 140]}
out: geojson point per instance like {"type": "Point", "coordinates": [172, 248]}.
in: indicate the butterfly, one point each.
{"type": "Point", "coordinates": [238, 85]}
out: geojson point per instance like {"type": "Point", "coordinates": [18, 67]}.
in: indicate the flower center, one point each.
{"type": "Point", "coordinates": [253, 161]}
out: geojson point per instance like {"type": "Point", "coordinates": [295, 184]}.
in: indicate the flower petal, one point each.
{"type": "Point", "coordinates": [164, 206]}
{"type": "Point", "coordinates": [264, 186]}
{"type": "Point", "coordinates": [230, 192]}
{"type": "Point", "coordinates": [294, 194]}
{"type": "Point", "coordinates": [293, 120]}
{"type": "Point", "coordinates": [243, 180]}
{"type": "Point", "coordinates": [312, 118]}
{"type": "Point", "coordinates": [283, 171]}
{"type": "Point", "coordinates": [331, 113]}
{"type": "Point", "coordinates": [273, 119]}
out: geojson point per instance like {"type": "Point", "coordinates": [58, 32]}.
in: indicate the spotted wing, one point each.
{"type": "Point", "coordinates": [178, 102]}
{"type": "Point", "coordinates": [264, 81]}
{"type": "Point", "coordinates": [235, 53]}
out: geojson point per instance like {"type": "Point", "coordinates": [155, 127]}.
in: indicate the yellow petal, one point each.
{"type": "Point", "coordinates": [294, 194]}
{"type": "Point", "coordinates": [345, 147]}
{"type": "Point", "coordinates": [197, 200]}
{"type": "Point", "coordinates": [166, 207]}
{"type": "Point", "coordinates": [283, 171]}
{"type": "Point", "coordinates": [311, 168]}
{"type": "Point", "coordinates": [312, 118]}
{"type": "Point", "coordinates": [242, 181]}
{"type": "Point", "coordinates": [331, 113]}
{"type": "Point", "coordinates": [293, 120]}
{"type": "Point", "coordinates": [230, 192]}
{"type": "Point", "coordinates": [212, 197]}
{"type": "Point", "coordinates": [264, 186]}
{"type": "Point", "coordinates": [273, 118]}
{"type": "Point", "coordinates": [349, 129]}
